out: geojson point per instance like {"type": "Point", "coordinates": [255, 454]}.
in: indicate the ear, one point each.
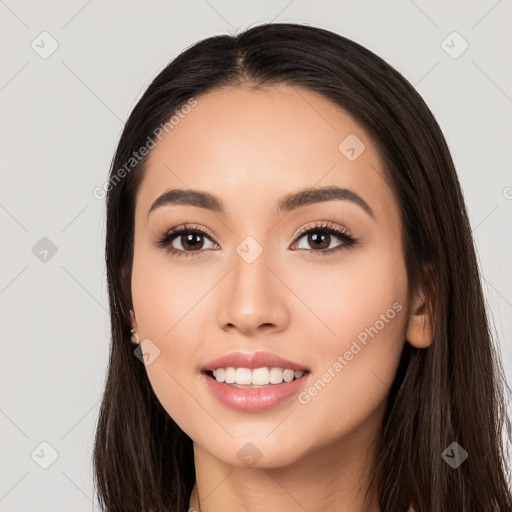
{"type": "Point", "coordinates": [133, 321]}
{"type": "Point", "coordinates": [419, 332]}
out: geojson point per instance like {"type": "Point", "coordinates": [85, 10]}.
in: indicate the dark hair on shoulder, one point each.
{"type": "Point", "coordinates": [450, 391]}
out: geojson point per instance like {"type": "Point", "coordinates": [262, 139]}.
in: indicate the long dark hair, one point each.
{"type": "Point", "coordinates": [452, 391]}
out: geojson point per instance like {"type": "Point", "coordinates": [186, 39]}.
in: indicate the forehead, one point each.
{"type": "Point", "coordinates": [247, 145]}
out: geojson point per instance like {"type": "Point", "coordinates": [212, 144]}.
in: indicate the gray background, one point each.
{"type": "Point", "coordinates": [61, 117]}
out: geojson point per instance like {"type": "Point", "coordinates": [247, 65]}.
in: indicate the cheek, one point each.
{"type": "Point", "coordinates": [345, 296]}
{"type": "Point", "coordinates": [166, 292]}
{"type": "Point", "coordinates": [358, 332]}
{"type": "Point", "coordinates": [171, 303]}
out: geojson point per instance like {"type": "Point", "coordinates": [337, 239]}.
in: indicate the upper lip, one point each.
{"type": "Point", "coordinates": [253, 360]}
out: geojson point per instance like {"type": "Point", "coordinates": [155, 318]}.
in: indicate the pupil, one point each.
{"type": "Point", "coordinates": [319, 239]}
{"type": "Point", "coordinates": [190, 240]}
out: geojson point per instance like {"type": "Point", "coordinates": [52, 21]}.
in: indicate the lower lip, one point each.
{"type": "Point", "coordinates": [254, 399]}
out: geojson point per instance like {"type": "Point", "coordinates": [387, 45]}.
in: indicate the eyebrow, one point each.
{"type": "Point", "coordinates": [285, 204]}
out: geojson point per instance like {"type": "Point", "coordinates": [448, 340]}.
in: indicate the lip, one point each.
{"type": "Point", "coordinates": [253, 360]}
{"type": "Point", "coordinates": [254, 399]}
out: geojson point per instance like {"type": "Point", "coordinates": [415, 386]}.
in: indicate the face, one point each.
{"type": "Point", "coordinates": [321, 283]}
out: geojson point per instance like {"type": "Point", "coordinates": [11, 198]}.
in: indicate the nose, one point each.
{"type": "Point", "coordinates": [253, 298]}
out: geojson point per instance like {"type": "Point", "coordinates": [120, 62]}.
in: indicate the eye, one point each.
{"type": "Point", "coordinates": [321, 238]}
{"type": "Point", "coordinates": [190, 238]}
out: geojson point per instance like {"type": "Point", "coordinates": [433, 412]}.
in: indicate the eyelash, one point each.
{"type": "Point", "coordinates": [325, 228]}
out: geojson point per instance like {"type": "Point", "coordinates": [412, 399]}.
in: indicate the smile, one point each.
{"type": "Point", "coordinates": [252, 397]}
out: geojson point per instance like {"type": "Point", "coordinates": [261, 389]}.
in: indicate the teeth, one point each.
{"type": "Point", "coordinates": [243, 376]}
{"type": "Point", "coordinates": [230, 375]}
{"type": "Point", "coordinates": [288, 375]}
{"type": "Point", "coordinates": [260, 376]}
{"type": "Point", "coordinates": [220, 374]}
{"type": "Point", "coordinates": [276, 376]}
{"type": "Point", "coordinates": [257, 377]}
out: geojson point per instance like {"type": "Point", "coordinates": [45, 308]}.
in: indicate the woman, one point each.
{"type": "Point", "coordinates": [289, 250]}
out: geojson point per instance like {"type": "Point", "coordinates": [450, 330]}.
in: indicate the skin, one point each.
{"type": "Point", "coordinates": [250, 147]}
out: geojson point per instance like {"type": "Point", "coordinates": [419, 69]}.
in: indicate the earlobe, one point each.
{"type": "Point", "coordinates": [133, 321]}
{"type": "Point", "coordinates": [419, 329]}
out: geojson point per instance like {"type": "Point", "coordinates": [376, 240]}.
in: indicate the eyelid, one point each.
{"type": "Point", "coordinates": [322, 224]}
{"type": "Point", "coordinates": [187, 226]}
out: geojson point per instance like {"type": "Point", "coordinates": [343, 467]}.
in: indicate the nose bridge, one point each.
{"type": "Point", "coordinates": [250, 272]}
{"type": "Point", "coordinates": [253, 295]}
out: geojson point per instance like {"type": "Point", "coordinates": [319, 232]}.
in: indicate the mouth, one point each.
{"type": "Point", "coordinates": [256, 390]}
{"type": "Point", "coordinates": [254, 381]}
{"type": "Point", "coordinates": [247, 378]}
